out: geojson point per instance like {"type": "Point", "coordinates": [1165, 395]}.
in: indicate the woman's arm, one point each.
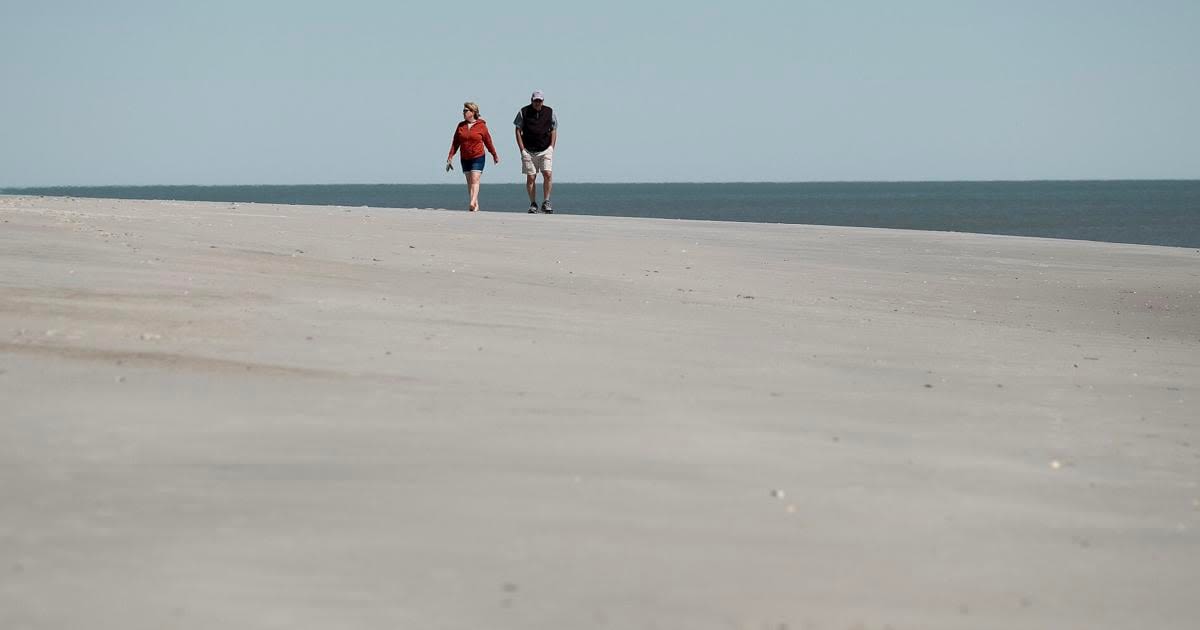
{"type": "Point", "coordinates": [487, 142]}
{"type": "Point", "coordinates": [453, 145]}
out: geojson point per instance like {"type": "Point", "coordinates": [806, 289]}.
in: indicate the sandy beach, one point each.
{"type": "Point", "coordinates": [220, 415]}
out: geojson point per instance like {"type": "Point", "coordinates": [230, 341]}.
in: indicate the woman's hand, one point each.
{"type": "Point", "coordinates": [496, 160]}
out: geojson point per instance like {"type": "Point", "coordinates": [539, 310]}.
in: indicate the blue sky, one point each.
{"type": "Point", "coordinates": [250, 92]}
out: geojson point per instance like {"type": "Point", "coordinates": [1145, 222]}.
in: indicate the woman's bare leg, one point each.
{"type": "Point", "coordinates": [473, 186]}
{"type": "Point", "coordinates": [470, 202]}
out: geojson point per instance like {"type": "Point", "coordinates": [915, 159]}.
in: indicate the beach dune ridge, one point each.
{"type": "Point", "coordinates": [266, 416]}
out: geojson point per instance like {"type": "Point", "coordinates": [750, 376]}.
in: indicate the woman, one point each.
{"type": "Point", "coordinates": [472, 136]}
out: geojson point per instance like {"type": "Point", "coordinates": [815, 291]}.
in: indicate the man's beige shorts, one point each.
{"type": "Point", "coordinates": [540, 162]}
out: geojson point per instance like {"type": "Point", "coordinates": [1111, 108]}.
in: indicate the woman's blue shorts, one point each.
{"type": "Point", "coordinates": [473, 164]}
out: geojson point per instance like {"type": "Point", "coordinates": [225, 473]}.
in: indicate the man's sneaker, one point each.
{"type": "Point", "coordinates": [532, 207]}
{"type": "Point", "coordinates": [546, 207]}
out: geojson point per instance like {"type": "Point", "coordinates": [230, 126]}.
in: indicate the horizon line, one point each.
{"type": "Point", "coordinates": [5, 189]}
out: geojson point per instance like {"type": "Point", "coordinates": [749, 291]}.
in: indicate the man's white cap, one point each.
{"type": "Point", "coordinates": [537, 96]}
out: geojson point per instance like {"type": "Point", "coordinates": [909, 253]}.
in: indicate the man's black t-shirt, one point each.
{"type": "Point", "coordinates": [536, 127]}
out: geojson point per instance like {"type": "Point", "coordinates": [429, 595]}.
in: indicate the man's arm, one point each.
{"type": "Point", "coordinates": [517, 122]}
{"type": "Point", "coordinates": [553, 129]}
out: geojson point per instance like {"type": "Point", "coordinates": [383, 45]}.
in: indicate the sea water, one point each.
{"type": "Point", "coordinates": [1154, 212]}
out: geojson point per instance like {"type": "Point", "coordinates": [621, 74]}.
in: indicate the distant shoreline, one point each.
{"type": "Point", "coordinates": [1149, 212]}
{"type": "Point", "coordinates": [17, 190]}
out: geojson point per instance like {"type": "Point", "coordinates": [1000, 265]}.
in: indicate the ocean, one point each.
{"type": "Point", "coordinates": [1153, 212]}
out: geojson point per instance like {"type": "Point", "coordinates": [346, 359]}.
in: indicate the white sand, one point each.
{"type": "Point", "coordinates": [242, 416]}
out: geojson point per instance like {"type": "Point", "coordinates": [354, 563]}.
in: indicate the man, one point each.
{"type": "Point", "coordinates": [537, 133]}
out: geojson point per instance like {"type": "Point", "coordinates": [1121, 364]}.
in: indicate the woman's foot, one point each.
{"type": "Point", "coordinates": [473, 208]}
